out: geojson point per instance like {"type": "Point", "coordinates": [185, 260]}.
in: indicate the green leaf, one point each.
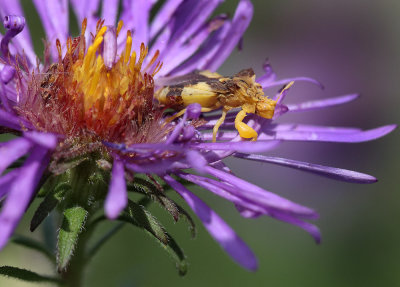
{"type": "Point", "coordinates": [151, 190]}
{"type": "Point", "coordinates": [176, 253]}
{"type": "Point", "coordinates": [52, 199]}
{"type": "Point", "coordinates": [137, 215]}
{"type": "Point", "coordinates": [33, 244]}
{"type": "Point", "coordinates": [73, 223]}
{"type": "Point", "coordinates": [25, 275]}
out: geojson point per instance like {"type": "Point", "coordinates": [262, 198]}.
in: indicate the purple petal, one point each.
{"type": "Point", "coordinates": [22, 42]}
{"type": "Point", "coordinates": [158, 167]}
{"type": "Point", "coordinates": [135, 15]}
{"type": "Point", "coordinates": [11, 121]}
{"type": "Point", "coordinates": [109, 11]}
{"type": "Point", "coordinates": [253, 193]}
{"type": "Point", "coordinates": [240, 22]}
{"type": "Point", "coordinates": [320, 104]}
{"type": "Point", "coordinates": [196, 160]}
{"type": "Point", "coordinates": [207, 52]}
{"type": "Point", "coordinates": [86, 9]}
{"type": "Point", "coordinates": [21, 192]}
{"type": "Point", "coordinates": [217, 227]}
{"type": "Point", "coordinates": [269, 74]}
{"type": "Point", "coordinates": [163, 16]}
{"type": "Point", "coordinates": [331, 172]}
{"type": "Point", "coordinates": [310, 228]}
{"type": "Point", "coordinates": [13, 150]}
{"type": "Point", "coordinates": [46, 140]}
{"type": "Point", "coordinates": [266, 84]}
{"type": "Point", "coordinates": [6, 180]}
{"type": "Point", "coordinates": [242, 146]}
{"type": "Point", "coordinates": [54, 15]}
{"type": "Point", "coordinates": [174, 56]}
{"type": "Point", "coordinates": [309, 128]}
{"type": "Point", "coordinates": [117, 197]}
{"type": "Point", "coordinates": [329, 136]}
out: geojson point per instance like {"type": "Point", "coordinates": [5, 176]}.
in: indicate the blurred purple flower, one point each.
{"type": "Point", "coordinates": [187, 40]}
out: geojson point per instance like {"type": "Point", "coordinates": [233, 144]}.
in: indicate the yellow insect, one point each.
{"type": "Point", "coordinates": [213, 91]}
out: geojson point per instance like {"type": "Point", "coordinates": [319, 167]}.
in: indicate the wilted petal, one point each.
{"type": "Point", "coordinates": [218, 229]}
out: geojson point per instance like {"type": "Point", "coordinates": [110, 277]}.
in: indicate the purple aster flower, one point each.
{"type": "Point", "coordinates": [86, 116]}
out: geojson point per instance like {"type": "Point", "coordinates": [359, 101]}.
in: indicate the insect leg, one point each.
{"type": "Point", "coordinates": [178, 114]}
{"type": "Point", "coordinates": [244, 130]}
{"type": "Point", "coordinates": [218, 124]}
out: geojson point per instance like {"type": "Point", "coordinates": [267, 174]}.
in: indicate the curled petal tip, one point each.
{"type": "Point", "coordinates": [13, 22]}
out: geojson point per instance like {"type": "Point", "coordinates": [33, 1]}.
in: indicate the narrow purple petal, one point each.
{"type": "Point", "coordinates": [135, 15]}
{"type": "Point", "coordinates": [331, 172]}
{"type": "Point", "coordinates": [11, 121]}
{"type": "Point", "coordinates": [196, 160]}
{"type": "Point", "coordinates": [117, 197]}
{"type": "Point", "coordinates": [13, 150]}
{"type": "Point", "coordinates": [109, 11]}
{"type": "Point", "coordinates": [310, 228]}
{"type": "Point", "coordinates": [355, 137]}
{"type": "Point", "coordinates": [242, 146]}
{"type": "Point", "coordinates": [269, 74]}
{"type": "Point", "coordinates": [163, 16]}
{"type": "Point", "coordinates": [174, 56]}
{"type": "Point", "coordinates": [320, 104]}
{"type": "Point", "coordinates": [46, 140]}
{"type": "Point", "coordinates": [240, 22]}
{"type": "Point", "coordinates": [6, 180]}
{"type": "Point", "coordinates": [86, 9]}
{"type": "Point", "coordinates": [256, 194]}
{"type": "Point", "coordinates": [21, 192]}
{"type": "Point", "coordinates": [217, 227]}
{"type": "Point", "coordinates": [268, 84]}
{"type": "Point", "coordinates": [56, 27]}
{"type": "Point", "coordinates": [23, 42]}
{"type": "Point", "coordinates": [217, 188]}
{"type": "Point", "coordinates": [309, 128]}
{"type": "Point", "coordinates": [207, 52]}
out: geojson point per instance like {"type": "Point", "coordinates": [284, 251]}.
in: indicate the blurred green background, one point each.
{"type": "Point", "coordinates": [350, 46]}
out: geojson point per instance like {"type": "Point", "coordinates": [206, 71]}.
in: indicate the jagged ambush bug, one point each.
{"type": "Point", "coordinates": [213, 91]}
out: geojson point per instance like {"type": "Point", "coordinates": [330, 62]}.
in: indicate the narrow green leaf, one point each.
{"type": "Point", "coordinates": [176, 253]}
{"type": "Point", "coordinates": [33, 244]}
{"type": "Point", "coordinates": [149, 189]}
{"type": "Point", "coordinates": [25, 275]}
{"type": "Point", "coordinates": [73, 222]}
{"type": "Point", "coordinates": [52, 199]}
{"type": "Point", "coordinates": [138, 216]}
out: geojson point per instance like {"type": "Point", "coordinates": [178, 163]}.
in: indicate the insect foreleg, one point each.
{"type": "Point", "coordinates": [218, 124]}
{"type": "Point", "coordinates": [244, 130]}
